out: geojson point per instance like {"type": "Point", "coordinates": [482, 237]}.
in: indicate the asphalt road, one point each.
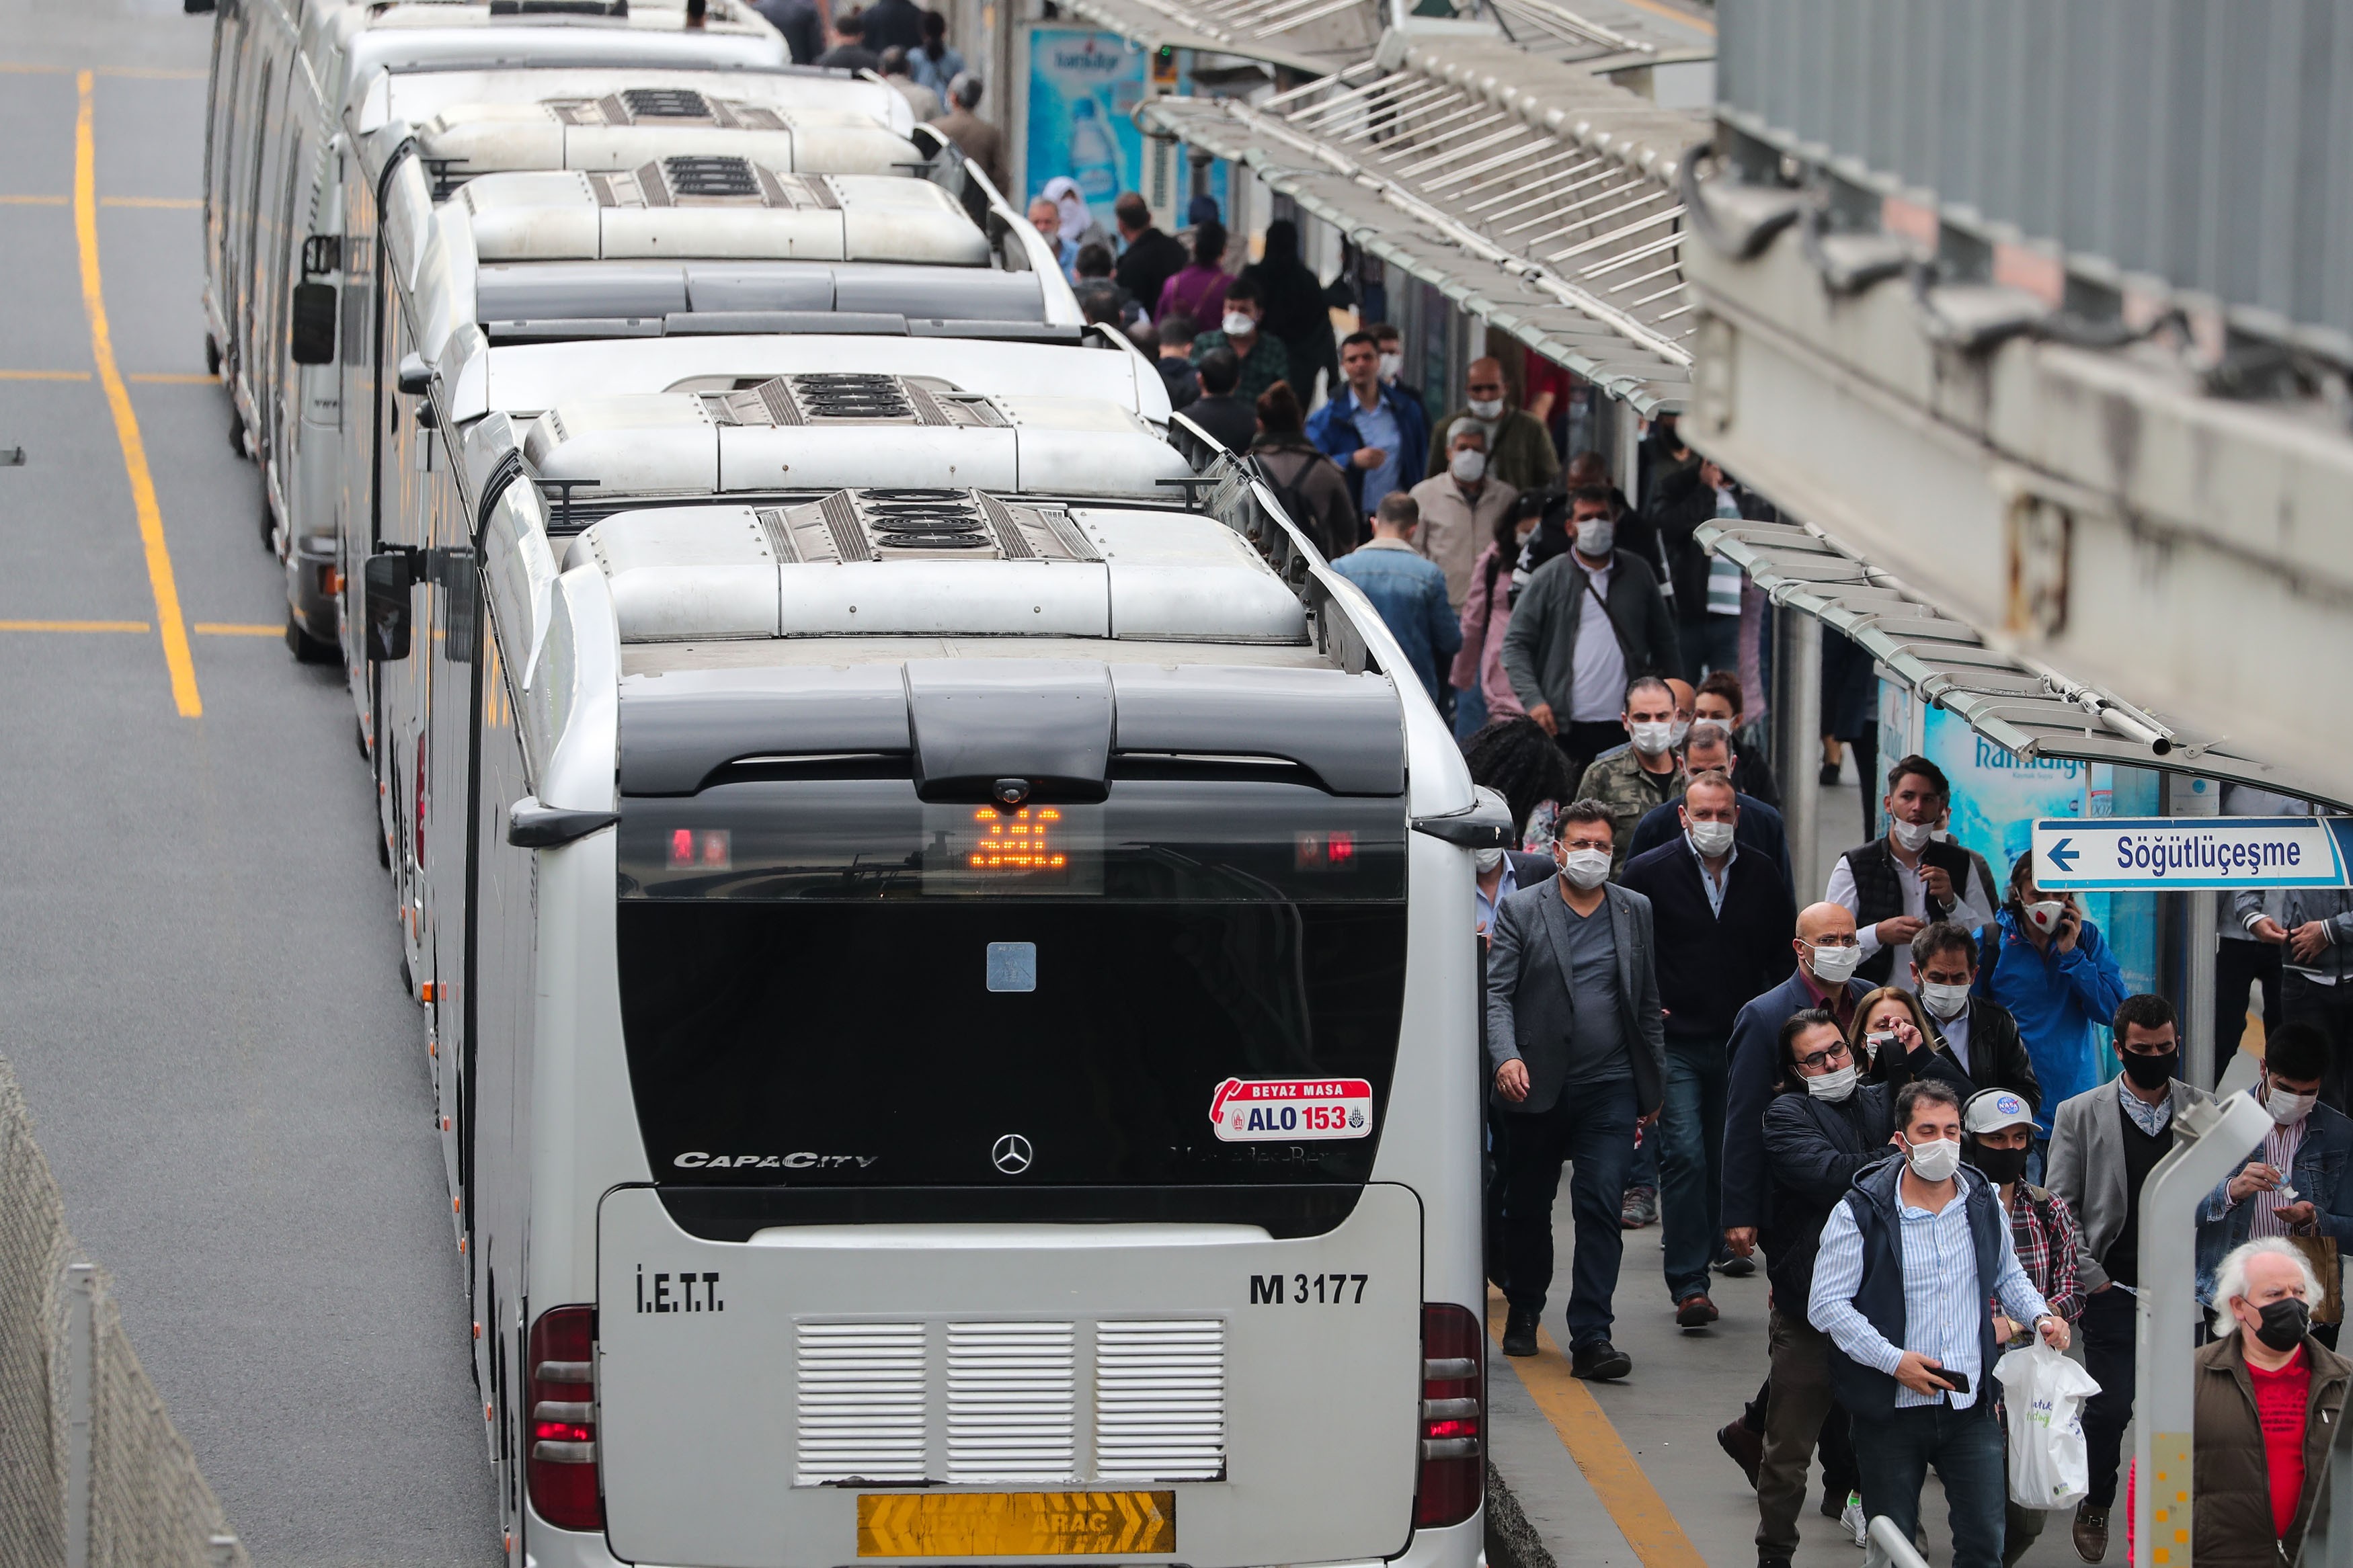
{"type": "Point", "coordinates": [197, 955]}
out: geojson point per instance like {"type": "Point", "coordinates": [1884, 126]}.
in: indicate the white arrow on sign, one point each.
{"type": "Point", "coordinates": [2116, 853]}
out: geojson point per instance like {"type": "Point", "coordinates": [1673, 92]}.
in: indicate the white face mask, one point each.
{"type": "Point", "coordinates": [1487, 859]}
{"type": "Point", "coordinates": [1944, 1002]}
{"type": "Point", "coordinates": [1681, 731]}
{"type": "Point", "coordinates": [1596, 536]}
{"type": "Point", "coordinates": [1833, 966]}
{"type": "Point", "coordinates": [1935, 1161]}
{"type": "Point", "coordinates": [1586, 868]}
{"type": "Point", "coordinates": [2287, 1108]}
{"type": "Point", "coordinates": [1651, 738]}
{"type": "Point", "coordinates": [1238, 325]}
{"type": "Point", "coordinates": [2045, 914]}
{"type": "Point", "coordinates": [1912, 837]}
{"type": "Point", "coordinates": [1834, 1085]}
{"type": "Point", "coordinates": [1392, 366]}
{"type": "Point", "coordinates": [1718, 726]}
{"type": "Point", "coordinates": [1711, 839]}
{"type": "Point", "coordinates": [1470, 465]}
{"type": "Point", "coordinates": [1486, 407]}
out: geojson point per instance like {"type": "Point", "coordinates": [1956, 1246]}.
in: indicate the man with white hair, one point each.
{"type": "Point", "coordinates": [2269, 1397]}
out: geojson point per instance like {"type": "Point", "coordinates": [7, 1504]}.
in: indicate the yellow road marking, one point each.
{"type": "Point", "coordinates": [30, 69]}
{"type": "Point", "coordinates": [1698, 24]}
{"type": "Point", "coordinates": [1641, 1514]}
{"type": "Point", "coordinates": [32, 200]}
{"type": "Point", "coordinates": [160, 581]}
{"type": "Point", "coordinates": [173, 378]}
{"type": "Point", "coordinates": [74, 626]}
{"type": "Point", "coordinates": [176, 203]}
{"type": "Point", "coordinates": [44, 375]}
{"type": "Point", "coordinates": [237, 630]}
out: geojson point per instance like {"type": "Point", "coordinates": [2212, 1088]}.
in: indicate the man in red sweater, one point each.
{"type": "Point", "coordinates": [2268, 1399]}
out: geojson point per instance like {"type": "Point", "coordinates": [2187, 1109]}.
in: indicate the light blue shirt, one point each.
{"type": "Point", "coordinates": [1378, 427]}
{"type": "Point", "coordinates": [1944, 1305]}
{"type": "Point", "coordinates": [1503, 890]}
{"type": "Point", "coordinates": [1713, 882]}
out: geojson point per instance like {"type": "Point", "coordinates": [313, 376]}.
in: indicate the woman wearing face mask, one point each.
{"type": "Point", "coordinates": [1478, 672]}
{"type": "Point", "coordinates": [1823, 1125]}
{"type": "Point", "coordinates": [1997, 1134]}
{"type": "Point", "coordinates": [2268, 1400]}
{"type": "Point", "coordinates": [1893, 1043]}
{"type": "Point", "coordinates": [2055, 975]}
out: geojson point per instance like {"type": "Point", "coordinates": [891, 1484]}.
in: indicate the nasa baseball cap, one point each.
{"type": "Point", "coordinates": [1991, 1110]}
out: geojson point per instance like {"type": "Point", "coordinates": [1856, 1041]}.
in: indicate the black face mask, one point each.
{"type": "Point", "coordinates": [2001, 1167]}
{"type": "Point", "coordinates": [2284, 1324]}
{"type": "Point", "coordinates": [2152, 1071]}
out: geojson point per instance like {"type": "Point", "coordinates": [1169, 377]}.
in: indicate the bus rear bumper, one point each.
{"type": "Point", "coordinates": [1458, 1546]}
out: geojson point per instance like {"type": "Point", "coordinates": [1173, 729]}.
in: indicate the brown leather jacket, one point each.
{"type": "Point", "coordinates": [2231, 1512]}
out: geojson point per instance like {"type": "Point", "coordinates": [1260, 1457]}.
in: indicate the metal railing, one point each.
{"type": "Point", "coordinates": [92, 1474]}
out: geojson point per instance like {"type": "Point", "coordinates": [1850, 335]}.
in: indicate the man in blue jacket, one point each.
{"type": "Point", "coordinates": [2297, 1180]}
{"type": "Point", "coordinates": [1761, 829]}
{"type": "Point", "coordinates": [1409, 590]}
{"type": "Point", "coordinates": [2052, 969]}
{"type": "Point", "coordinates": [1377, 434]}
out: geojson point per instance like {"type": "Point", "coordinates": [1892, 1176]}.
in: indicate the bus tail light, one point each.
{"type": "Point", "coordinates": [561, 1461]}
{"type": "Point", "coordinates": [1454, 1477]}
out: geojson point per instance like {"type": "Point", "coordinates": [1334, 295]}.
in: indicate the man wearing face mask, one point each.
{"type": "Point", "coordinates": [1908, 1262]}
{"type": "Point", "coordinates": [1575, 1048]}
{"type": "Point", "coordinates": [1997, 1132]}
{"type": "Point", "coordinates": [1899, 882]}
{"type": "Point", "coordinates": [1719, 913]}
{"type": "Point", "coordinates": [2298, 1183]}
{"type": "Point", "coordinates": [1977, 1030]}
{"type": "Point", "coordinates": [1519, 448]}
{"type": "Point", "coordinates": [1762, 830]}
{"type": "Point", "coordinates": [1391, 346]}
{"type": "Point", "coordinates": [2268, 1395]}
{"type": "Point", "coordinates": [1373, 431]}
{"type": "Point", "coordinates": [1644, 774]}
{"type": "Point", "coordinates": [2052, 969]}
{"type": "Point", "coordinates": [2103, 1143]}
{"type": "Point", "coordinates": [1824, 1128]}
{"type": "Point", "coordinates": [1263, 359]}
{"type": "Point", "coordinates": [1459, 509]}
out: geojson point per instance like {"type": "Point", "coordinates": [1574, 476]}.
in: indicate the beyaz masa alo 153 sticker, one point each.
{"type": "Point", "coordinates": [1292, 1109]}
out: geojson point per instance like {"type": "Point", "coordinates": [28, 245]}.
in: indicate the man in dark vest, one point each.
{"type": "Point", "coordinates": [1896, 884]}
{"type": "Point", "coordinates": [1912, 1359]}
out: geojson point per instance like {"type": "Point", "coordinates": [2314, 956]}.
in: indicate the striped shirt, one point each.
{"type": "Point", "coordinates": [1944, 1306]}
{"type": "Point", "coordinates": [2280, 1145]}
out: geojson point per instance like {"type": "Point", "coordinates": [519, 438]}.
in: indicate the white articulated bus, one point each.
{"type": "Point", "coordinates": [965, 1031]}
{"type": "Point", "coordinates": [520, 257]}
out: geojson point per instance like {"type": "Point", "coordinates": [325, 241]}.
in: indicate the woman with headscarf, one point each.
{"type": "Point", "coordinates": [1199, 290]}
{"type": "Point", "coordinates": [1295, 311]}
{"type": "Point", "coordinates": [1078, 223]}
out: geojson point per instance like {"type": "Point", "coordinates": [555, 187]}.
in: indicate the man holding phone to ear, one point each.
{"type": "Point", "coordinates": [1914, 1252]}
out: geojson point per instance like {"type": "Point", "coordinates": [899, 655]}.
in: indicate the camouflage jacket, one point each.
{"type": "Point", "coordinates": [1618, 780]}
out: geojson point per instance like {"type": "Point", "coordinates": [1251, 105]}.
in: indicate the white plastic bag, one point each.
{"type": "Point", "coordinates": [2042, 1393]}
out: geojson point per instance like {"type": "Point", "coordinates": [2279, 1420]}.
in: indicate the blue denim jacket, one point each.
{"type": "Point", "coordinates": [2318, 1175]}
{"type": "Point", "coordinates": [1411, 594]}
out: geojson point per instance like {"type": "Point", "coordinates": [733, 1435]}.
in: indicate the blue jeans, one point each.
{"type": "Point", "coordinates": [1689, 1133]}
{"type": "Point", "coordinates": [1893, 1452]}
{"type": "Point", "coordinates": [1592, 1127]}
{"type": "Point", "coordinates": [1470, 712]}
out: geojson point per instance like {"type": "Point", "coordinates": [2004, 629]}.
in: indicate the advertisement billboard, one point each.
{"type": "Point", "coordinates": [1084, 86]}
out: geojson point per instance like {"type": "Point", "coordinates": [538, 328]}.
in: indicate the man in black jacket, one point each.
{"type": "Point", "coordinates": [1900, 881]}
{"type": "Point", "coordinates": [1148, 258]}
{"type": "Point", "coordinates": [1761, 829]}
{"type": "Point", "coordinates": [1820, 1131]}
{"type": "Point", "coordinates": [1977, 1030]}
{"type": "Point", "coordinates": [1719, 912]}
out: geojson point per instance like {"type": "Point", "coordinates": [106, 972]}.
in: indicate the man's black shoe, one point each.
{"type": "Point", "coordinates": [1772, 1562]}
{"type": "Point", "coordinates": [1600, 1360]}
{"type": "Point", "coordinates": [1731, 1265]}
{"type": "Point", "coordinates": [1746, 1447]}
{"type": "Point", "coordinates": [1520, 1332]}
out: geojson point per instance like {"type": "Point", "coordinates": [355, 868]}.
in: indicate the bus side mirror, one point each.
{"type": "Point", "coordinates": [312, 335]}
{"type": "Point", "coordinates": [195, 8]}
{"type": "Point", "coordinates": [414, 377]}
{"type": "Point", "coordinates": [388, 577]}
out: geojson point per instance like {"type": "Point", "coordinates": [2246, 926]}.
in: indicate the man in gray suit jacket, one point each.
{"type": "Point", "coordinates": [1577, 1049]}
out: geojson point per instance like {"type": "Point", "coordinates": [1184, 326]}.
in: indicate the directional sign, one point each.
{"type": "Point", "coordinates": [2188, 852]}
{"type": "Point", "coordinates": [1015, 1524]}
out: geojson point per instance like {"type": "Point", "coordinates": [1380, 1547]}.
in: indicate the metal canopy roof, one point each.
{"type": "Point", "coordinates": [1311, 36]}
{"type": "Point", "coordinates": [2017, 705]}
{"type": "Point", "coordinates": [1531, 193]}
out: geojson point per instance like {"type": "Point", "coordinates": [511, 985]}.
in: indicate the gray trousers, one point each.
{"type": "Point", "coordinates": [1793, 1420]}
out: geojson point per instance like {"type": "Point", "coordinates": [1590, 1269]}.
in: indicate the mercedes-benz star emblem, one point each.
{"type": "Point", "coordinates": [1012, 1154]}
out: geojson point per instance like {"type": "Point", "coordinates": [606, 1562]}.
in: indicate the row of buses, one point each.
{"type": "Point", "coordinates": [907, 857]}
